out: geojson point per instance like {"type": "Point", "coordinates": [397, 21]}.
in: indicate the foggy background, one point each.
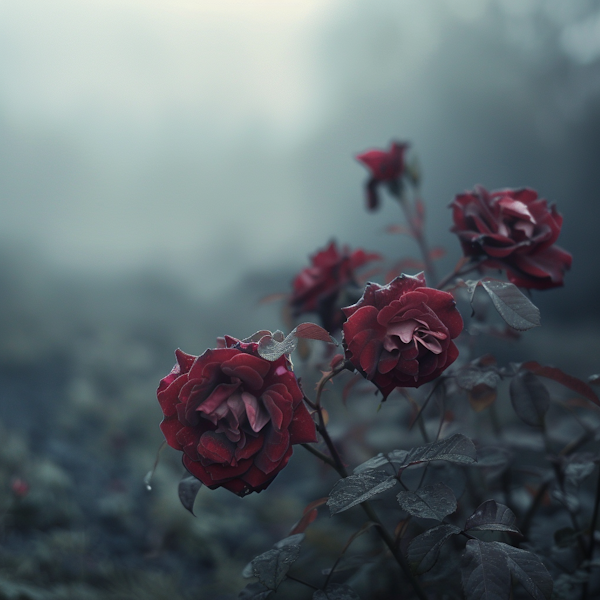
{"type": "Point", "coordinates": [164, 164]}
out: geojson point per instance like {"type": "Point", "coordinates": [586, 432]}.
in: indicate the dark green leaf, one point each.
{"type": "Point", "coordinates": [357, 488]}
{"type": "Point", "coordinates": [424, 550]}
{"type": "Point", "coordinates": [484, 571]}
{"type": "Point", "coordinates": [492, 516]}
{"type": "Point", "coordinates": [529, 398]}
{"type": "Point", "coordinates": [529, 570]}
{"type": "Point", "coordinates": [188, 490]}
{"type": "Point", "coordinates": [513, 306]}
{"type": "Point", "coordinates": [336, 591]}
{"type": "Point", "coordinates": [457, 449]}
{"type": "Point", "coordinates": [431, 502]}
{"type": "Point", "coordinates": [272, 566]}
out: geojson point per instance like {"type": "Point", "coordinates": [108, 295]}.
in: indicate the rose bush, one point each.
{"type": "Point", "coordinates": [515, 230]}
{"type": "Point", "coordinates": [400, 334]}
{"type": "Point", "coordinates": [386, 167]}
{"type": "Point", "coordinates": [318, 288]}
{"type": "Point", "coordinates": [234, 415]}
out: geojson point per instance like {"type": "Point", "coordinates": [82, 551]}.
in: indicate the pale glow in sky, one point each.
{"type": "Point", "coordinates": [216, 137]}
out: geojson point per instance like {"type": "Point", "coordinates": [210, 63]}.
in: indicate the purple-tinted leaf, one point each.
{"type": "Point", "coordinates": [188, 490]}
{"type": "Point", "coordinates": [492, 516]}
{"type": "Point", "coordinates": [529, 398]}
{"type": "Point", "coordinates": [312, 331]}
{"type": "Point", "coordinates": [424, 550]}
{"type": "Point", "coordinates": [484, 571]}
{"type": "Point", "coordinates": [353, 490]}
{"type": "Point", "coordinates": [529, 570]}
{"type": "Point", "coordinates": [456, 449]}
{"type": "Point", "coordinates": [255, 591]}
{"type": "Point", "coordinates": [574, 384]}
{"type": "Point", "coordinates": [336, 591]}
{"type": "Point", "coordinates": [431, 502]}
{"type": "Point", "coordinates": [256, 337]}
{"type": "Point", "coordinates": [513, 306]}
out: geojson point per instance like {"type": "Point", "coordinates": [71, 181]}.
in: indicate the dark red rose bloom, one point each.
{"type": "Point", "coordinates": [516, 231]}
{"type": "Point", "coordinates": [386, 167]}
{"type": "Point", "coordinates": [234, 415]}
{"type": "Point", "coordinates": [318, 288]}
{"type": "Point", "coordinates": [400, 334]}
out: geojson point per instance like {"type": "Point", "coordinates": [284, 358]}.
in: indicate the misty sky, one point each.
{"type": "Point", "coordinates": [214, 138]}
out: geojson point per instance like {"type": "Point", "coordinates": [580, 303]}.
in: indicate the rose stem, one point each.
{"type": "Point", "coordinates": [457, 272]}
{"type": "Point", "coordinates": [535, 504]}
{"type": "Point", "coordinates": [310, 585]}
{"type": "Point", "coordinates": [590, 549]}
{"type": "Point", "coordinates": [505, 480]}
{"type": "Point", "coordinates": [341, 469]}
{"type": "Point", "coordinates": [417, 233]}
{"type": "Point", "coordinates": [320, 455]}
{"type": "Point", "coordinates": [561, 485]}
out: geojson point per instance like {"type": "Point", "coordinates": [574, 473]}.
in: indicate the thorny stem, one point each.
{"type": "Point", "coordinates": [417, 233]}
{"type": "Point", "coordinates": [391, 544]}
{"type": "Point", "coordinates": [338, 465]}
{"type": "Point", "coordinates": [319, 455]}
{"type": "Point", "coordinates": [463, 270]}
{"type": "Point", "coordinates": [505, 475]}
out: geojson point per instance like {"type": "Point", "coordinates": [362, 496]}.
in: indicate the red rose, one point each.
{"type": "Point", "coordinates": [318, 288]}
{"type": "Point", "coordinates": [516, 231]}
{"type": "Point", "coordinates": [386, 167]}
{"type": "Point", "coordinates": [234, 415]}
{"type": "Point", "coordinates": [400, 335]}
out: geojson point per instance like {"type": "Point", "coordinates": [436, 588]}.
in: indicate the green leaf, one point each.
{"type": "Point", "coordinates": [529, 397]}
{"type": "Point", "coordinates": [456, 449]}
{"type": "Point", "coordinates": [492, 516]}
{"type": "Point", "coordinates": [423, 551]}
{"type": "Point", "coordinates": [353, 490]}
{"type": "Point", "coordinates": [188, 489]}
{"type": "Point", "coordinates": [513, 306]}
{"type": "Point", "coordinates": [272, 566]}
{"type": "Point", "coordinates": [431, 502]}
